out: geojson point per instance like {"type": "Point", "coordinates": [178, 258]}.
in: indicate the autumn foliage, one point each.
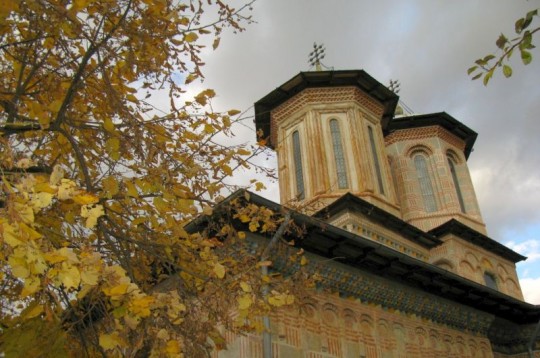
{"type": "Point", "coordinates": [98, 187]}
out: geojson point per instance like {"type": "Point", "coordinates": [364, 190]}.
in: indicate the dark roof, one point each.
{"type": "Point", "coordinates": [474, 237]}
{"type": "Point", "coordinates": [352, 202]}
{"type": "Point", "coordinates": [356, 251]}
{"type": "Point", "coordinates": [303, 80]}
{"type": "Point", "coordinates": [442, 119]}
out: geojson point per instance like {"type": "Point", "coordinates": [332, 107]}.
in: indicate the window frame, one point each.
{"type": "Point", "coordinates": [375, 155]}
{"type": "Point", "coordinates": [339, 154]}
{"type": "Point", "coordinates": [298, 164]}
{"type": "Point", "coordinates": [452, 164]}
{"type": "Point", "coordinates": [424, 181]}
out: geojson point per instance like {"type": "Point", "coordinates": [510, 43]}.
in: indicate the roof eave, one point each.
{"type": "Point", "coordinates": [442, 119]}
{"type": "Point", "coordinates": [317, 79]}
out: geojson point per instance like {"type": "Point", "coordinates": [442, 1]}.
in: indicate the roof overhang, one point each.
{"type": "Point", "coordinates": [474, 237]}
{"type": "Point", "coordinates": [354, 203]}
{"type": "Point", "coordinates": [441, 119]}
{"type": "Point", "coordinates": [318, 79]}
{"type": "Point", "coordinates": [353, 250]}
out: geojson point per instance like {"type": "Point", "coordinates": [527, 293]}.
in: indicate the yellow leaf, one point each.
{"type": "Point", "coordinates": [253, 226]}
{"type": "Point", "coordinates": [108, 125]}
{"type": "Point", "coordinates": [280, 299]}
{"type": "Point", "coordinates": [140, 306]}
{"type": "Point", "coordinates": [28, 232]}
{"type": "Point", "coordinates": [67, 189]}
{"type": "Point", "coordinates": [244, 301]}
{"type": "Point", "coordinates": [227, 169]}
{"type": "Point", "coordinates": [243, 151]}
{"type": "Point", "coordinates": [190, 37]}
{"type": "Point", "coordinates": [55, 106]}
{"type": "Point", "coordinates": [11, 235]}
{"type": "Point", "coordinates": [246, 287]}
{"type": "Point", "coordinates": [207, 210]}
{"type": "Point", "coordinates": [91, 214]}
{"type": "Point", "coordinates": [303, 261]}
{"type": "Point", "coordinates": [219, 270]}
{"type": "Point", "coordinates": [173, 347]}
{"type": "Point", "coordinates": [208, 128]}
{"type": "Point", "coordinates": [132, 98]}
{"type": "Point", "coordinates": [233, 112]}
{"type": "Point", "coordinates": [89, 277]}
{"type": "Point", "coordinates": [110, 186]}
{"type": "Point", "coordinates": [216, 43]}
{"type": "Point", "coordinates": [113, 147]}
{"type": "Point", "coordinates": [69, 275]}
{"type": "Point", "coordinates": [31, 286]}
{"type": "Point", "coordinates": [241, 235]}
{"type": "Point", "coordinates": [131, 189]}
{"type": "Point", "coordinates": [244, 218]}
{"type": "Point", "coordinates": [161, 205]}
{"type": "Point", "coordinates": [117, 290]}
{"type": "Point", "coordinates": [163, 335]}
{"type": "Point", "coordinates": [25, 212]}
{"type": "Point", "coordinates": [85, 198]}
{"type": "Point", "coordinates": [45, 188]}
{"type": "Point", "coordinates": [32, 311]}
{"type": "Point", "coordinates": [19, 267]}
{"type": "Point", "coordinates": [132, 322]}
{"type": "Point", "coordinates": [56, 175]}
{"type": "Point", "coordinates": [110, 341]}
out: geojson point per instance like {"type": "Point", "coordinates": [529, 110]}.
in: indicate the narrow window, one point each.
{"type": "Point", "coordinates": [338, 154]}
{"type": "Point", "coordinates": [425, 183]}
{"type": "Point", "coordinates": [490, 280]}
{"type": "Point", "coordinates": [298, 165]}
{"type": "Point", "coordinates": [376, 160]}
{"type": "Point", "coordinates": [456, 183]}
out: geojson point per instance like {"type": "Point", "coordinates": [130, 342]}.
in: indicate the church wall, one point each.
{"type": "Point", "coordinates": [470, 261]}
{"type": "Point", "coordinates": [332, 327]}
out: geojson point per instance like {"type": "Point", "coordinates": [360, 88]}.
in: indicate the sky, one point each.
{"type": "Point", "coordinates": [427, 45]}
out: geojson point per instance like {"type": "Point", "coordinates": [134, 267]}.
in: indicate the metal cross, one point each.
{"type": "Point", "coordinates": [316, 56]}
{"type": "Point", "coordinates": [394, 86]}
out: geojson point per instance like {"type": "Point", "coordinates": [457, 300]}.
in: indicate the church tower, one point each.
{"type": "Point", "coordinates": [428, 155]}
{"type": "Point", "coordinates": [327, 130]}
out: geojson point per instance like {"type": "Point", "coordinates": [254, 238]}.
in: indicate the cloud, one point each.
{"type": "Point", "coordinates": [531, 293]}
{"type": "Point", "coordinates": [529, 248]}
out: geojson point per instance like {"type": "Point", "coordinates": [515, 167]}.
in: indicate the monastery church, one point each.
{"type": "Point", "coordinates": [391, 210]}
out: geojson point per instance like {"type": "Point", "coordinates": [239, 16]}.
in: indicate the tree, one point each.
{"type": "Point", "coordinates": [98, 190]}
{"type": "Point", "coordinates": [485, 67]}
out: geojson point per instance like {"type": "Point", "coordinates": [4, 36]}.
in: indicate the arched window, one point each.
{"type": "Point", "coordinates": [338, 154]}
{"type": "Point", "coordinates": [452, 165]}
{"type": "Point", "coordinates": [490, 280]}
{"type": "Point", "coordinates": [425, 183]}
{"type": "Point", "coordinates": [298, 165]}
{"type": "Point", "coordinates": [376, 160]}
